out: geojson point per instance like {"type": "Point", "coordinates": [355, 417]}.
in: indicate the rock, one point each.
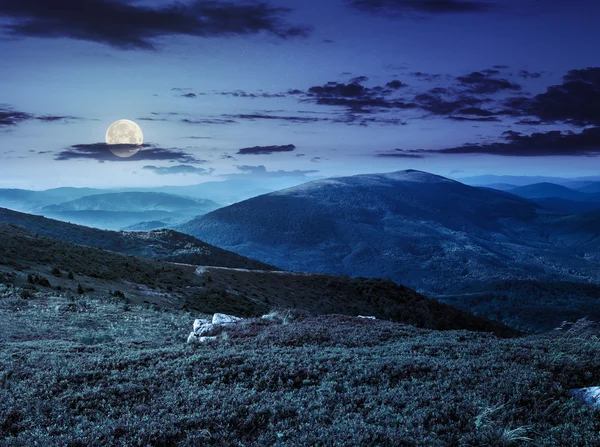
{"type": "Point", "coordinates": [369, 317]}
{"type": "Point", "coordinates": [589, 396]}
{"type": "Point", "coordinates": [200, 322]}
{"type": "Point", "coordinates": [195, 338]}
{"type": "Point", "coordinates": [206, 329]}
{"type": "Point", "coordinates": [223, 319]}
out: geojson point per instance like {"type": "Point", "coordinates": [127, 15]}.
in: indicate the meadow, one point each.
{"type": "Point", "coordinates": [82, 370]}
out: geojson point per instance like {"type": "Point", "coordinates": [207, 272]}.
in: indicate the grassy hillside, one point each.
{"type": "Point", "coordinates": [46, 264]}
{"type": "Point", "coordinates": [160, 244]}
{"type": "Point", "coordinates": [89, 373]}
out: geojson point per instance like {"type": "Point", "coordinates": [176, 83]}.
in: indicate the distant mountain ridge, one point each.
{"type": "Point", "coordinates": [426, 231]}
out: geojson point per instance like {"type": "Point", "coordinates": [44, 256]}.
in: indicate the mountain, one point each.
{"type": "Point", "coordinates": [430, 233]}
{"type": "Point", "coordinates": [590, 188]}
{"type": "Point", "coordinates": [517, 180]}
{"type": "Point", "coordinates": [158, 244]}
{"type": "Point", "coordinates": [147, 226]}
{"type": "Point", "coordinates": [26, 200]}
{"type": "Point", "coordinates": [566, 206]}
{"type": "Point", "coordinates": [29, 258]}
{"type": "Point", "coordinates": [500, 186]}
{"type": "Point", "coordinates": [136, 202]}
{"type": "Point", "coordinates": [123, 209]}
{"type": "Point", "coordinates": [547, 190]}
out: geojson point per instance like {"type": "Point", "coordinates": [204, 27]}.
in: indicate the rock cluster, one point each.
{"type": "Point", "coordinates": [207, 330]}
{"type": "Point", "coordinates": [589, 396]}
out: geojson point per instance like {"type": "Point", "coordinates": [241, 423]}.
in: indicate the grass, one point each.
{"type": "Point", "coordinates": [83, 371]}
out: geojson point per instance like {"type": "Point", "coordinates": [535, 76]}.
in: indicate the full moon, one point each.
{"type": "Point", "coordinates": [127, 133]}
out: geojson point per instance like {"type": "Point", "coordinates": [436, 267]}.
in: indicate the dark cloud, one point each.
{"type": "Point", "coordinates": [10, 117]}
{"type": "Point", "coordinates": [357, 98]}
{"type": "Point", "coordinates": [261, 150]}
{"type": "Point", "coordinates": [575, 101]}
{"type": "Point", "coordinates": [401, 7]}
{"type": "Point", "coordinates": [101, 152]}
{"type": "Point", "coordinates": [260, 116]}
{"type": "Point", "coordinates": [539, 144]}
{"type": "Point", "coordinates": [127, 25]}
{"type": "Point", "coordinates": [327, 41]}
{"type": "Point", "coordinates": [243, 94]}
{"type": "Point", "coordinates": [526, 74]}
{"type": "Point", "coordinates": [179, 169]}
{"type": "Point", "coordinates": [426, 76]}
{"type": "Point", "coordinates": [481, 83]}
{"type": "Point", "coordinates": [437, 105]}
{"type": "Point", "coordinates": [395, 84]}
{"type": "Point", "coordinates": [261, 171]}
{"type": "Point", "coordinates": [54, 118]}
{"type": "Point", "coordinates": [399, 153]}
{"type": "Point", "coordinates": [209, 121]}
{"type": "Point", "coordinates": [359, 80]}
{"type": "Point", "coordinates": [189, 95]}
{"type": "Point", "coordinates": [500, 67]}
{"type": "Point", "coordinates": [481, 119]}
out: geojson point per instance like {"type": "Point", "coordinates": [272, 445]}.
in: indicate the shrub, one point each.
{"type": "Point", "coordinates": [56, 272]}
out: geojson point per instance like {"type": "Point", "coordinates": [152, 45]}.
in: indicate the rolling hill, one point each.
{"type": "Point", "coordinates": [159, 244]}
{"type": "Point", "coordinates": [28, 258]}
{"type": "Point", "coordinates": [552, 190]}
{"type": "Point", "coordinates": [430, 233]}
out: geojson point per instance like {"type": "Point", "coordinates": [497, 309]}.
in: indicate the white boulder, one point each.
{"type": "Point", "coordinates": [367, 317]}
{"type": "Point", "coordinates": [590, 396]}
{"type": "Point", "coordinates": [200, 322]}
{"type": "Point", "coordinates": [195, 338]}
{"type": "Point", "coordinates": [223, 319]}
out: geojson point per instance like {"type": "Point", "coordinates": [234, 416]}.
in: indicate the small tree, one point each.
{"type": "Point", "coordinates": [70, 276]}
{"type": "Point", "coordinates": [80, 289]}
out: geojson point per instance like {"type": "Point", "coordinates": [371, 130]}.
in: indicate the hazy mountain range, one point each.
{"type": "Point", "coordinates": [430, 233]}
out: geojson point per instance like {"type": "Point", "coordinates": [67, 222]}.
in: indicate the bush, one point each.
{"type": "Point", "coordinates": [56, 272]}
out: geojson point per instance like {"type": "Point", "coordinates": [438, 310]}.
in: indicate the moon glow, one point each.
{"type": "Point", "coordinates": [126, 136]}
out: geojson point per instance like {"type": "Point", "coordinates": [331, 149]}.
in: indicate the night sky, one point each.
{"type": "Point", "coordinates": [311, 88]}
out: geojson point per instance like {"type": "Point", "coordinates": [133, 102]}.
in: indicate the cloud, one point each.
{"type": "Point", "coordinates": [189, 95]}
{"type": "Point", "coordinates": [243, 94]}
{"type": "Point", "coordinates": [526, 74]}
{"type": "Point", "coordinates": [400, 153]}
{"type": "Point", "coordinates": [179, 169]}
{"type": "Point", "coordinates": [260, 116]}
{"type": "Point", "coordinates": [101, 152]}
{"type": "Point", "coordinates": [10, 117]}
{"type": "Point", "coordinates": [209, 121]}
{"type": "Point", "coordinates": [359, 80]}
{"type": "Point", "coordinates": [516, 144]}
{"type": "Point", "coordinates": [128, 25]}
{"type": "Point", "coordinates": [261, 171]}
{"type": "Point", "coordinates": [357, 98]}
{"type": "Point", "coordinates": [262, 150]}
{"type": "Point", "coordinates": [399, 8]}
{"type": "Point", "coordinates": [575, 101]}
{"type": "Point", "coordinates": [426, 76]}
{"type": "Point", "coordinates": [53, 118]}
{"type": "Point", "coordinates": [481, 83]}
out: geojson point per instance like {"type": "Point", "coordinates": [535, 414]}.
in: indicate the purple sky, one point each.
{"type": "Point", "coordinates": [340, 87]}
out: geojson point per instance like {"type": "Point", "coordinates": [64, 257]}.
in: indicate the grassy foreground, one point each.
{"type": "Point", "coordinates": [90, 372]}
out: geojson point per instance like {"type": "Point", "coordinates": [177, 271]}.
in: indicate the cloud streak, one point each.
{"type": "Point", "coordinates": [516, 144]}
{"type": "Point", "coordinates": [265, 150]}
{"type": "Point", "coordinates": [127, 25]}
{"type": "Point", "coordinates": [399, 8]}
{"type": "Point", "coordinates": [179, 169]}
{"type": "Point", "coordinates": [101, 152]}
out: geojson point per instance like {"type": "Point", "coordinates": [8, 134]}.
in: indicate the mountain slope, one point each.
{"type": "Point", "coordinates": [245, 293]}
{"type": "Point", "coordinates": [136, 202]}
{"type": "Point", "coordinates": [160, 244]}
{"type": "Point", "coordinates": [428, 232]}
{"type": "Point", "coordinates": [547, 190]}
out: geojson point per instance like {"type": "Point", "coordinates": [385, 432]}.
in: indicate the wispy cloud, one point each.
{"type": "Point", "coordinates": [263, 150]}
{"type": "Point", "coordinates": [102, 152]}
{"type": "Point", "coordinates": [179, 169]}
{"type": "Point", "coordinates": [129, 25]}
